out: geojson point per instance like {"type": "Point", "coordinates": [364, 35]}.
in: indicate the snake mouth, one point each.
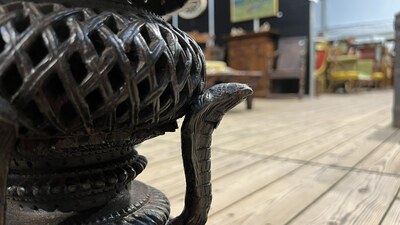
{"type": "Point", "coordinates": [244, 90]}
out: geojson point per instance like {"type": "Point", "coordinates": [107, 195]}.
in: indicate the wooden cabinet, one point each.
{"type": "Point", "coordinates": [253, 51]}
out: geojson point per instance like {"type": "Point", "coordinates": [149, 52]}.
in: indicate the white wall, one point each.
{"type": "Point", "coordinates": [369, 19]}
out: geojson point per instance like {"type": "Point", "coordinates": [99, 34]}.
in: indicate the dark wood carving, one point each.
{"type": "Point", "coordinates": [203, 117]}
{"type": "Point", "coordinates": [79, 88]}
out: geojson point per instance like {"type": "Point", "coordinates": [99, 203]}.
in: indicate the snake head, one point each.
{"type": "Point", "coordinates": [222, 97]}
{"type": "Point", "coordinates": [229, 92]}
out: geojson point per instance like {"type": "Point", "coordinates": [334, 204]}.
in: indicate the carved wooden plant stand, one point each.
{"type": "Point", "coordinates": [82, 83]}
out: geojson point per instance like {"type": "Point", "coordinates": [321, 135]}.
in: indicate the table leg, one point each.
{"type": "Point", "coordinates": [249, 102]}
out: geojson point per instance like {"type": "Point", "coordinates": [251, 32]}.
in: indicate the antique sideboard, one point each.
{"type": "Point", "coordinates": [253, 52]}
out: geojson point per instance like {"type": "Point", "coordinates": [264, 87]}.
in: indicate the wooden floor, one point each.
{"type": "Point", "coordinates": [333, 160]}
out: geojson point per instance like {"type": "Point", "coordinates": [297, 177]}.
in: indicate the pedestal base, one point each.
{"type": "Point", "coordinates": [141, 204]}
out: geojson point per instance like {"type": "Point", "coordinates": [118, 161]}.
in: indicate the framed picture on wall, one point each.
{"type": "Point", "coordinates": [243, 10]}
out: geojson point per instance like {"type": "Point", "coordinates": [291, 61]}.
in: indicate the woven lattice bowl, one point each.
{"type": "Point", "coordinates": [84, 86]}
{"type": "Point", "coordinates": [76, 72]}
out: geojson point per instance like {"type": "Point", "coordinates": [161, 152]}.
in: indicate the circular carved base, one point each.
{"type": "Point", "coordinates": [141, 204]}
{"type": "Point", "coordinates": [72, 179]}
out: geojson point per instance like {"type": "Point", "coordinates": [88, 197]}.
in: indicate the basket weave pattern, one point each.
{"type": "Point", "coordinates": [75, 71]}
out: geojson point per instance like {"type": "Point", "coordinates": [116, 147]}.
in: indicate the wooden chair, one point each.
{"type": "Point", "coordinates": [353, 73]}
{"type": "Point", "coordinates": [365, 69]}
{"type": "Point", "coordinates": [290, 67]}
{"type": "Point", "coordinates": [343, 71]}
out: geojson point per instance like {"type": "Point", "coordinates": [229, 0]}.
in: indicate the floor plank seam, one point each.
{"type": "Point", "coordinates": [293, 146]}
{"type": "Point", "coordinates": [261, 188]}
{"type": "Point", "coordinates": [340, 143]}
{"type": "Point", "coordinates": [389, 207]}
{"type": "Point", "coordinates": [305, 162]}
{"type": "Point", "coordinates": [339, 180]}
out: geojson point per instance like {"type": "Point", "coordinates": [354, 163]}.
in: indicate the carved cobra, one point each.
{"type": "Point", "coordinates": [201, 120]}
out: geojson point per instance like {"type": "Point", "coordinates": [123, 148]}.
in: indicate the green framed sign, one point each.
{"type": "Point", "coordinates": [243, 10]}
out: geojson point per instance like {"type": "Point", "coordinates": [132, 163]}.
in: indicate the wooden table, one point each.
{"type": "Point", "coordinates": [250, 78]}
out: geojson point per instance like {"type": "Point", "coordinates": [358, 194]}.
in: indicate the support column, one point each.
{"type": "Point", "coordinates": [311, 59]}
{"type": "Point", "coordinates": [256, 25]}
{"type": "Point", "coordinates": [211, 22]}
{"type": "Point", "coordinates": [396, 113]}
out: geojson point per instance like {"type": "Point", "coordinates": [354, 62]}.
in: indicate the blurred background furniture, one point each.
{"type": "Point", "coordinates": [353, 73]}
{"type": "Point", "coordinates": [211, 52]}
{"type": "Point", "coordinates": [288, 77]}
{"type": "Point", "coordinates": [355, 66]}
{"type": "Point", "coordinates": [368, 76]}
{"type": "Point", "coordinates": [343, 71]}
{"type": "Point", "coordinates": [253, 51]}
{"type": "Point", "coordinates": [219, 72]}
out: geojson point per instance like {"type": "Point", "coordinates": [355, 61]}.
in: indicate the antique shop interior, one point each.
{"type": "Point", "coordinates": [223, 112]}
{"type": "Point", "coordinates": [317, 143]}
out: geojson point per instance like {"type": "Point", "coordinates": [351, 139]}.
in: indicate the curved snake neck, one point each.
{"type": "Point", "coordinates": [198, 126]}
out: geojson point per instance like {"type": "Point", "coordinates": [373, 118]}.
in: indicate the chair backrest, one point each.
{"type": "Point", "coordinates": [292, 52]}
{"type": "Point", "coordinates": [344, 63]}
{"type": "Point", "coordinates": [365, 66]}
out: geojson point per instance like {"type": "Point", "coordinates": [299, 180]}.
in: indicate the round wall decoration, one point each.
{"type": "Point", "coordinates": [193, 9]}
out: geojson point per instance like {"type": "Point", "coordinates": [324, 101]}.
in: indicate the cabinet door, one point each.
{"type": "Point", "coordinates": [253, 53]}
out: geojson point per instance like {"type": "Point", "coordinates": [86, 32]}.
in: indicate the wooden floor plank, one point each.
{"type": "Point", "coordinates": [228, 190]}
{"type": "Point", "coordinates": [307, 135]}
{"type": "Point", "coordinates": [157, 150]}
{"type": "Point", "coordinates": [348, 154]}
{"type": "Point", "coordinates": [330, 141]}
{"type": "Point", "coordinates": [393, 215]}
{"type": "Point", "coordinates": [242, 142]}
{"type": "Point", "coordinates": [386, 158]}
{"type": "Point", "coordinates": [291, 126]}
{"type": "Point", "coordinates": [277, 203]}
{"type": "Point", "coordinates": [359, 199]}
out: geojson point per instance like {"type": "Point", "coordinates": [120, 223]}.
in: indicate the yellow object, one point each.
{"type": "Point", "coordinates": [344, 75]}
{"type": "Point", "coordinates": [343, 71]}
{"type": "Point", "coordinates": [378, 76]}
{"type": "Point", "coordinates": [216, 66]}
{"type": "Point", "coordinates": [352, 72]}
